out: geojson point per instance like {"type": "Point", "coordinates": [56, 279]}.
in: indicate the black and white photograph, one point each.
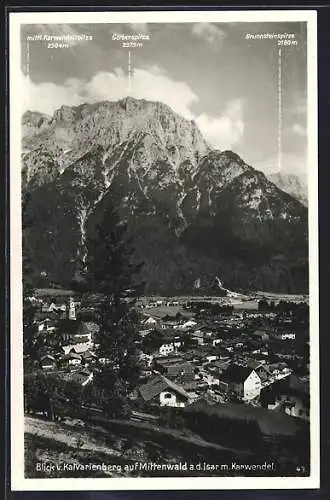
{"type": "Point", "coordinates": [164, 260]}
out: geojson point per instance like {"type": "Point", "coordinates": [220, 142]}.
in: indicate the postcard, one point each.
{"type": "Point", "coordinates": [164, 250]}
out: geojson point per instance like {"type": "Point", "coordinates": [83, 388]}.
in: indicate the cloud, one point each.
{"type": "Point", "coordinates": [128, 28]}
{"type": "Point", "coordinates": [298, 129]}
{"type": "Point", "coordinates": [225, 131]}
{"type": "Point", "coordinates": [298, 109]}
{"type": "Point", "coordinates": [139, 27]}
{"type": "Point", "coordinates": [291, 163]}
{"type": "Point", "coordinates": [209, 32]}
{"type": "Point", "coordinates": [154, 84]}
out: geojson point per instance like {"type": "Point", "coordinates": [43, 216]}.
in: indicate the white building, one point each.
{"type": "Point", "coordinates": [166, 349]}
{"type": "Point", "coordinates": [47, 325]}
{"type": "Point", "coordinates": [150, 321]}
{"type": "Point", "coordinates": [163, 392]}
{"type": "Point", "coordinates": [288, 336]}
{"type": "Point", "coordinates": [252, 386]}
{"type": "Point", "coordinates": [242, 381]}
{"type": "Point", "coordinates": [188, 324]}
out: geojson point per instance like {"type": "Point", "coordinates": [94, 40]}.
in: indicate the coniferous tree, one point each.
{"type": "Point", "coordinates": [112, 276]}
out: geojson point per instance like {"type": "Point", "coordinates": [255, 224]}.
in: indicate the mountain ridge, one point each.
{"type": "Point", "coordinates": [172, 189]}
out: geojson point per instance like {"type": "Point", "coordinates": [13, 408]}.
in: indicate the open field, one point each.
{"type": "Point", "coordinates": [249, 305]}
{"type": "Point", "coordinates": [281, 296]}
{"type": "Point", "coordinates": [161, 311]}
{"type": "Point", "coordinates": [248, 297]}
{"type": "Point", "coordinates": [53, 292]}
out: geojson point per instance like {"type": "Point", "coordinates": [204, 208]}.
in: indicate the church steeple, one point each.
{"type": "Point", "coordinates": [72, 310]}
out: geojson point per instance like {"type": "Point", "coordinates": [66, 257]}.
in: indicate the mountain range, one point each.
{"type": "Point", "coordinates": [193, 212]}
{"type": "Point", "coordinates": [293, 184]}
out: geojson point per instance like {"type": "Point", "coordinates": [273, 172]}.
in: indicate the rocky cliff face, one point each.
{"type": "Point", "coordinates": [193, 212]}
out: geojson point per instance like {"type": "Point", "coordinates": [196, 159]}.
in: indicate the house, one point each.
{"type": "Point", "coordinates": [291, 403]}
{"type": "Point", "coordinates": [83, 377]}
{"type": "Point", "coordinates": [73, 331]}
{"type": "Point", "coordinates": [46, 325]}
{"type": "Point", "coordinates": [169, 347]}
{"type": "Point", "coordinates": [163, 392]}
{"type": "Point", "coordinates": [87, 357]}
{"type": "Point", "coordinates": [47, 362]}
{"type": "Point", "coordinates": [72, 359]}
{"type": "Point", "coordinates": [171, 321]}
{"type": "Point", "coordinates": [181, 372]}
{"type": "Point", "coordinates": [188, 324]}
{"type": "Point", "coordinates": [45, 308]}
{"type": "Point", "coordinates": [295, 407]}
{"type": "Point", "coordinates": [80, 348]}
{"type": "Point", "coordinates": [288, 336]}
{"type": "Point", "coordinates": [147, 358]}
{"type": "Point", "coordinates": [162, 360]}
{"type": "Point", "coordinates": [242, 381]}
{"type": "Point", "coordinates": [219, 366]}
{"type": "Point", "coordinates": [53, 307]}
{"type": "Point", "coordinates": [150, 321]}
{"type": "Point", "coordinates": [211, 358]}
{"type": "Point", "coordinates": [145, 332]}
{"type": "Point", "coordinates": [261, 370]}
{"type": "Point", "coordinates": [177, 342]}
{"type": "Point", "coordinates": [166, 348]}
{"type": "Point", "coordinates": [198, 337]}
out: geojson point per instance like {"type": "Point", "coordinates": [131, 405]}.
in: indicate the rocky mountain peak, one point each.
{"type": "Point", "coordinates": [192, 211]}
{"type": "Point", "coordinates": [292, 184]}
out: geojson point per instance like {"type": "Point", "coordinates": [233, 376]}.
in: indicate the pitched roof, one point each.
{"type": "Point", "coordinates": [236, 373]}
{"type": "Point", "coordinates": [71, 355]}
{"type": "Point", "coordinates": [75, 327]}
{"type": "Point", "coordinates": [179, 368]}
{"type": "Point", "coordinates": [80, 348]}
{"type": "Point", "coordinates": [153, 388]}
{"type": "Point", "coordinates": [198, 334]}
{"type": "Point", "coordinates": [253, 363]}
{"type": "Point", "coordinates": [48, 356]}
{"type": "Point", "coordinates": [87, 355]}
{"type": "Point", "coordinates": [169, 360]}
{"type": "Point", "coordinates": [221, 364]}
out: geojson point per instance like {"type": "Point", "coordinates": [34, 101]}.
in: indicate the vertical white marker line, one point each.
{"type": "Point", "coordinates": [279, 132]}
{"type": "Point", "coordinates": [129, 72]}
{"type": "Point", "coordinates": [27, 58]}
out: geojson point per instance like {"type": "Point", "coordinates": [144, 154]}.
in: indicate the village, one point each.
{"type": "Point", "coordinates": [192, 351]}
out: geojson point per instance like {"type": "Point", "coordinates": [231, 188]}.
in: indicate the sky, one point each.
{"type": "Point", "coordinates": [208, 72]}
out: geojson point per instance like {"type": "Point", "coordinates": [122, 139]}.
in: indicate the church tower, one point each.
{"type": "Point", "coordinates": [72, 310]}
